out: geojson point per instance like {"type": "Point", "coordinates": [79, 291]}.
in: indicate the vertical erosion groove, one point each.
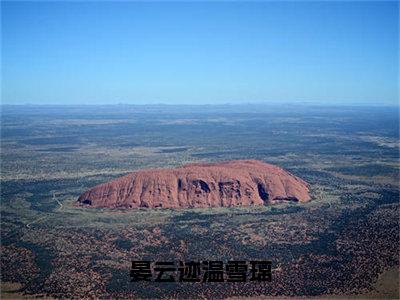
{"type": "Point", "coordinates": [262, 192]}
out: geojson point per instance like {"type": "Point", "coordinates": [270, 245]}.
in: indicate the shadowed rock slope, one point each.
{"type": "Point", "coordinates": [230, 183]}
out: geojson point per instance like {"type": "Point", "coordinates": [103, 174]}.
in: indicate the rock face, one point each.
{"type": "Point", "coordinates": [230, 183]}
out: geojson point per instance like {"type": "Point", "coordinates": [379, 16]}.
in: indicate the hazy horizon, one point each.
{"type": "Point", "coordinates": [244, 103]}
{"type": "Point", "coordinates": [200, 53]}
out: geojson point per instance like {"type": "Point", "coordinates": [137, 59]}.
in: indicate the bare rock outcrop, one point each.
{"type": "Point", "coordinates": [223, 184]}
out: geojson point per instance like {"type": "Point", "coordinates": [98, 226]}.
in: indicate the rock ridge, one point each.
{"type": "Point", "coordinates": [200, 185]}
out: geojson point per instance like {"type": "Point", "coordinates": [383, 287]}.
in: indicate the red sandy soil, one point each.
{"type": "Point", "coordinates": [223, 184]}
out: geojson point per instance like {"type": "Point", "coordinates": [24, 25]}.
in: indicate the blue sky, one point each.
{"type": "Point", "coordinates": [199, 52]}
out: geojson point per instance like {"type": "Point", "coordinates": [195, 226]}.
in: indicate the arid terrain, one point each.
{"type": "Point", "coordinates": [344, 243]}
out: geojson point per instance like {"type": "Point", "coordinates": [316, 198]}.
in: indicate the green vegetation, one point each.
{"type": "Point", "coordinates": [339, 243]}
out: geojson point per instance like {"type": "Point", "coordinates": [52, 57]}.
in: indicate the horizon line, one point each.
{"type": "Point", "coordinates": [304, 103]}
